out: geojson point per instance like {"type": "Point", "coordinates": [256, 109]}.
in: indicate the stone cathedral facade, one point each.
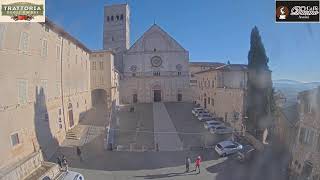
{"type": "Point", "coordinates": [154, 68]}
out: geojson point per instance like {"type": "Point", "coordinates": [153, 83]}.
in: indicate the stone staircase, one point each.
{"type": "Point", "coordinates": [75, 133]}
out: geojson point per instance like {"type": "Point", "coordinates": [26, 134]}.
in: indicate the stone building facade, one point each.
{"type": "Point", "coordinates": [195, 67]}
{"type": "Point", "coordinates": [45, 78]}
{"type": "Point", "coordinates": [104, 78]}
{"type": "Point", "coordinates": [116, 31]}
{"type": "Point", "coordinates": [306, 150]}
{"type": "Point", "coordinates": [154, 68]}
{"type": "Point", "coordinates": [222, 91]}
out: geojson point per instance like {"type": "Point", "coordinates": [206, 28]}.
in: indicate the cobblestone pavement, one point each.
{"type": "Point", "coordinates": [135, 128]}
{"type": "Point", "coordinates": [191, 132]}
{"type": "Point", "coordinates": [101, 164]}
{"type": "Point", "coordinates": [166, 136]}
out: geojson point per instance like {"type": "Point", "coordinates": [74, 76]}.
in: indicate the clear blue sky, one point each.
{"type": "Point", "coordinates": [211, 30]}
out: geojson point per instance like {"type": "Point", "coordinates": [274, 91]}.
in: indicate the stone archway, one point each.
{"type": "Point", "coordinates": [99, 96]}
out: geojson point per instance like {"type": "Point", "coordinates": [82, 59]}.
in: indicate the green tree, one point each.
{"type": "Point", "coordinates": [260, 101]}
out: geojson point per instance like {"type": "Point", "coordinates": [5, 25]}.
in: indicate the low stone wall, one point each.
{"type": "Point", "coordinates": [23, 168]}
{"type": "Point", "coordinates": [252, 140]}
{"type": "Point", "coordinates": [53, 171]}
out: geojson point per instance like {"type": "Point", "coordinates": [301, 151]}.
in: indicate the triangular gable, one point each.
{"type": "Point", "coordinates": [155, 38]}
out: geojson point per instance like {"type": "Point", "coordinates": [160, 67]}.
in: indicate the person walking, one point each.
{"type": "Point", "coordinates": [59, 162]}
{"type": "Point", "coordinates": [198, 162]}
{"type": "Point", "coordinates": [79, 153]}
{"type": "Point", "coordinates": [188, 162]}
{"type": "Point", "coordinates": [65, 163]}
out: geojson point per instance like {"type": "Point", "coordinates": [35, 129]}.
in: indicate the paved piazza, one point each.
{"type": "Point", "coordinates": [167, 165]}
{"type": "Point", "coordinates": [166, 137]}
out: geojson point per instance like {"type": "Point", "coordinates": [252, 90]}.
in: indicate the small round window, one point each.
{"type": "Point", "coordinates": [156, 61]}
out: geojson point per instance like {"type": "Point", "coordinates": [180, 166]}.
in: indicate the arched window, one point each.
{"type": "Point", "coordinates": [117, 17]}
{"type": "Point", "coordinates": [111, 18]}
{"type": "Point", "coordinates": [121, 17]}
{"type": "Point", "coordinates": [108, 18]}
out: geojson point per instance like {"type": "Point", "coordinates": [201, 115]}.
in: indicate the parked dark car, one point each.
{"type": "Point", "coordinates": [247, 153]}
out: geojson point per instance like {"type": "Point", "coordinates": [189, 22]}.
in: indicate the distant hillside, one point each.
{"type": "Point", "coordinates": [291, 88]}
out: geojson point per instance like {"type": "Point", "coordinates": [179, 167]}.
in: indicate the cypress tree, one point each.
{"type": "Point", "coordinates": [260, 93]}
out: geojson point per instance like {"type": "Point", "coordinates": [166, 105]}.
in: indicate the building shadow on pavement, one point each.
{"type": "Point", "coordinates": [268, 165]}
{"type": "Point", "coordinates": [46, 140]}
{"type": "Point", "coordinates": [95, 116]}
{"type": "Point", "coordinates": [167, 175]}
{"type": "Point", "coordinates": [95, 157]}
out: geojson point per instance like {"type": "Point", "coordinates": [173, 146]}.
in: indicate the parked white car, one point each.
{"type": "Point", "coordinates": [220, 130]}
{"type": "Point", "coordinates": [225, 148]}
{"type": "Point", "coordinates": [71, 175]}
{"type": "Point", "coordinates": [202, 112]}
{"type": "Point", "coordinates": [204, 116]}
{"type": "Point", "coordinates": [194, 110]}
{"type": "Point", "coordinates": [212, 124]}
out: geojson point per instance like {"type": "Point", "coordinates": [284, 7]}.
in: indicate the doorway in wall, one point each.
{"type": "Point", "coordinates": [156, 95]}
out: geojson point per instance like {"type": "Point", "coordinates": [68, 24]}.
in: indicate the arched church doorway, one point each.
{"type": "Point", "coordinates": [156, 93]}
{"type": "Point", "coordinates": [70, 115]}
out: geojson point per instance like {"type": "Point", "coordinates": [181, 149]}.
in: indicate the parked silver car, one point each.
{"type": "Point", "coordinates": [225, 148]}
{"type": "Point", "coordinates": [221, 130]}
{"type": "Point", "coordinates": [202, 112]}
{"type": "Point", "coordinates": [212, 124]}
{"type": "Point", "coordinates": [204, 116]}
{"type": "Point", "coordinates": [194, 110]}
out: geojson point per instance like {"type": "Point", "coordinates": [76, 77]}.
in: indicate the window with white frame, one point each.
{"type": "Point", "coordinates": [44, 50]}
{"type": "Point", "coordinates": [101, 65]}
{"type": "Point", "coordinates": [306, 136]}
{"type": "Point", "coordinates": [15, 139]}
{"type": "Point", "coordinates": [2, 28]}
{"type": "Point", "coordinates": [24, 42]}
{"type": "Point", "coordinates": [22, 91]}
{"type": "Point", "coordinates": [93, 65]}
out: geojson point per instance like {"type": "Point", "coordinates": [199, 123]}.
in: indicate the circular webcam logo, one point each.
{"type": "Point", "coordinates": [282, 12]}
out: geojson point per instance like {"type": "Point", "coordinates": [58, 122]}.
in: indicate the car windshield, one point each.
{"type": "Point", "coordinates": [214, 123]}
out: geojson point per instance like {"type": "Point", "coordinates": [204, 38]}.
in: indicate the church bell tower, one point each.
{"type": "Point", "coordinates": [116, 31]}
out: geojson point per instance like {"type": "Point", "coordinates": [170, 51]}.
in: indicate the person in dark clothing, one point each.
{"type": "Point", "coordinates": [65, 163]}
{"type": "Point", "coordinates": [79, 154]}
{"type": "Point", "coordinates": [188, 162]}
{"type": "Point", "coordinates": [59, 162]}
